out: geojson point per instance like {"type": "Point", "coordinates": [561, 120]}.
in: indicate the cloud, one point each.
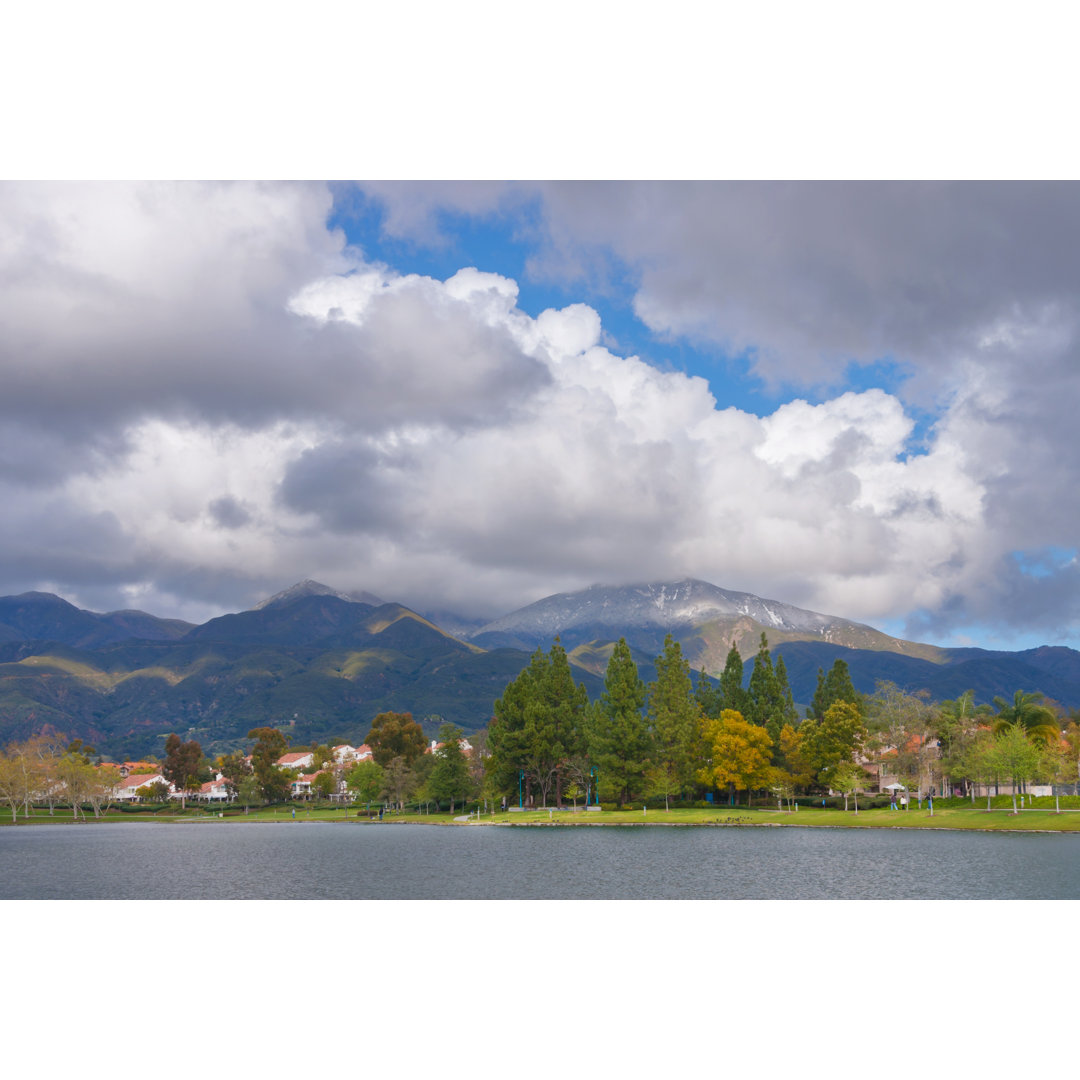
{"type": "Point", "coordinates": [209, 395]}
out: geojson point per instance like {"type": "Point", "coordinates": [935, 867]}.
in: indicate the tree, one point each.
{"type": "Point", "coordinates": [732, 694]}
{"type": "Point", "coordinates": [738, 755]}
{"type": "Point", "coordinates": [181, 765]}
{"type": "Point", "coordinates": [847, 778]}
{"type": "Point", "coordinates": [618, 735]}
{"type": "Point", "coordinates": [1015, 755]}
{"type": "Point", "coordinates": [397, 781]}
{"type": "Point", "coordinates": [14, 780]}
{"type": "Point", "coordinates": [673, 715]}
{"type": "Point", "coordinates": [539, 723]}
{"type": "Point", "coordinates": [833, 739]}
{"type": "Point", "coordinates": [235, 768]}
{"type": "Point", "coordinates": [156, 791]}
{"type": "Point", "coordinates": [325, 783]}
{"type": "Point", "coordinates": [366, 780]}
{"type": "Point", "coordinates": [789, 759]}
{"type": "Point", "coordinates": [766, 705]}
{"type": "Point", "coordinates": [957, 726]}
{"type": "Point", "coordinates": [270, 744]}
{"type": "Point", "coordinates": [788, 712]}
{"type": "Point", "coordinates": [903, 725]}
{"type": "Point", "coordinates": [1071, 738]}
{"type": "Point", "coordinates": [394, 735]}
{"type": "Point", "coordinates": [76, 777]}
{"type": "Point", "coordinates": [708, 694]}
{"type": "Point", "coordinates": [834, 687]}
{"type": "Point", "coordinates": [1027, 711]}
{"type": "Point", "coordinates": [101, 790]}
{"type": "Point", "coordinates": [449, 778]}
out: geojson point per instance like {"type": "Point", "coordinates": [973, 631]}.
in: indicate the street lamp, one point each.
{"type": "Point", "coordinates": [521, 777]}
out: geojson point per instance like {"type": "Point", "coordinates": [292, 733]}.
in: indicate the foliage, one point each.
{"type": "Point", "coordinates": [539, 725]}
{"type": "Point", "coordinates": [834, 738]}
{"type": "Point", "coordinates": [766, 702]}
{"type": "Point", "coordinates": [732, 695]}
{"type": "Point", "coordinates": [270, 744]}
{"type": "Point", "coordinates": [181, 764]}
{"type": "Point", "coordinates": [1028, 712]}
{"type": "Point", "coordinates": [847, 778]}
{"type": "Point", "coordinates": [449, 778]}
{"type": "Point", "coordinates": [325, 783]}
{"type": "Point", "coordinates": [234, 769]}
{"type": "Point", "coordinates": [1015, 754]}
{"type": "Point", "coordinates": [394, 735]}
{"type": "Point", "coordinates": [618, 735]}
{"type": "Point", "coordinates": [738, 754]}
{"type": "Point", "coordinates": [673, 715]}
{"type": "Point", "coordinates": [366, 780]}
{"type": "Point", "coordinates": [834, 687]}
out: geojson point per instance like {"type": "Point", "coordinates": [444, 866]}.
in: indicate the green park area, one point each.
{"type": "Point", "coordinates": [1039, 814]}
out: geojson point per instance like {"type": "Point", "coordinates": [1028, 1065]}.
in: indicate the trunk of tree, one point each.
{"type": "Point", "coordinates": [1015, 811]}
{"type": "Point", "coordinates": [731, 793]}
{"type": "Point", "coordinates": [856, 794]}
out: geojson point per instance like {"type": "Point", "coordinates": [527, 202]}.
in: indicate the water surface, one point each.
{"type": "Point", "coordinates": [316, 860]}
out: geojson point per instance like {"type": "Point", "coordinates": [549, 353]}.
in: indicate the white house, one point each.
{"type": "Point", "coordinates": [127, 787]}
{"type": "Point", "coordinates": [214, 790]}
{"type": "Point", "coordinates": [300, 760]}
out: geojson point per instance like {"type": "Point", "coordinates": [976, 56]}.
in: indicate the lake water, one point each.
{"type": "Point", "coordinates": [306, 860]}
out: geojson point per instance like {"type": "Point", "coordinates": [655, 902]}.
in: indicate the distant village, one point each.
{"type": "Point", "coordinates": [140, 779]}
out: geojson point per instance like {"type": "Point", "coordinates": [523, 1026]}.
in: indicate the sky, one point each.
{"type": "Point", "coordinates": [856, 397]}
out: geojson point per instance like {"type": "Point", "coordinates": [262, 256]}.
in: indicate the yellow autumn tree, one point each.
{"type": "Point", "coordinates": [737, 754]}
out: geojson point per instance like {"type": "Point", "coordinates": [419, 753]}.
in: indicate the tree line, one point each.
{"type": "Point", "coordinates": [673, 739]}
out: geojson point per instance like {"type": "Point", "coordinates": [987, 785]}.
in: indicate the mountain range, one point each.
{"type": "Point", "coordinates": [322, 663]}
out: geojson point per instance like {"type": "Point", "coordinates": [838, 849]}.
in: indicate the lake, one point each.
{"type": "Point", "coordinates": [332, 861]}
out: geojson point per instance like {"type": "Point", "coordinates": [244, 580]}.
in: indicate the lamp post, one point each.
{"type": "Point", "coordinates": [521, 777]}
{"type": "Point", "coordinates": [595, 787]}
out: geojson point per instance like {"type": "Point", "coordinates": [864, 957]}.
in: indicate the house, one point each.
{"type": "Point", "coordinates": [128, 786]}
{"type": "Point", "coordinates": [214, 790]}
{"type": "Point", "coordinates": [349, 755]}
{"type": "Point", "coordinates": [301, 760]}
{"type": "Point", "coordinates": [435, 747]}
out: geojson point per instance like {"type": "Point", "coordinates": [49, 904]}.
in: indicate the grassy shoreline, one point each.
{"type": "Point", "coordinates": [964, 817]}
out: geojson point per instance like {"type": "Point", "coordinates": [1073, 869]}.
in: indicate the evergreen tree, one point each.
{"type": "Point", "coordinates": [834, 687]}
{"type": "Point", "coordinates": [766, 705]}
{"type": "Point", "coordinates": [708, 695]}
{"type": "Point", "coordinates": [673, 716]}
{"type": "Point", "coordinates": [787, 714]}
{"type": "Point", "coordinates": [732, 694]}
{"type": "Point", "coordinates": [538, 725]}
{"type": "Point", "coordinates": [619, 742]}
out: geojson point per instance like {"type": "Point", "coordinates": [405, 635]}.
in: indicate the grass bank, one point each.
{"type": "Point", "coordinates": [1038, 815]}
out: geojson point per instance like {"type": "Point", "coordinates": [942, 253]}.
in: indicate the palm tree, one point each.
{"type": "Point", "coordinates": [1028, 713]}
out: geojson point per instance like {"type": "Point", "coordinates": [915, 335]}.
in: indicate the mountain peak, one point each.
{"type": "Point", "coordinates": [307, 587]}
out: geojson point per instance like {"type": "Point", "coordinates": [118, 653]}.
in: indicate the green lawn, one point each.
{"type": "Point", "coordinates": [948, 814]}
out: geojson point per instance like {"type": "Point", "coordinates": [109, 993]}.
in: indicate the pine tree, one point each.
{"type": "Point", "coordinates": [707, 694]}
{"type": "Point", "coordinates": [787, 713]}
{"type": "Point", "coordinates": [834, 687]}
{"type": "Point", "coordinates": [766, 702]}
{"type": "Point", "coordinates": [732, 694]}
{"type": "Point", "coordinates": [673, 716]}
{"type": "Point", "coordinates": [538, 724]}
{"type": "Point", "coordinates": [619, 740]}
